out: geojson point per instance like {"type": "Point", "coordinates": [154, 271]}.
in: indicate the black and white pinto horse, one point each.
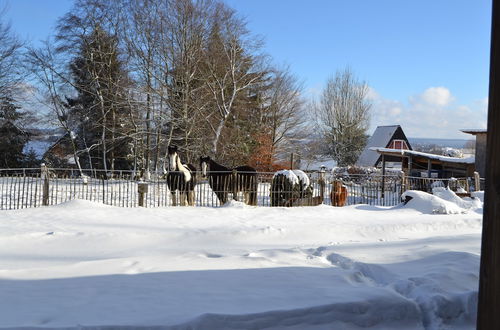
{"type": "Point", "coordinates": [289, 186]}
{"type": "Point", "coordinates": [181, 177]}
{"type": "Point", "coordinates": [224, 180]}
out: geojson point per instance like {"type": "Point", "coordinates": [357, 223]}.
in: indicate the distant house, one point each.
{"type": "Point", "coordinates": [480, 154]}
{"type": "Point", "coordinates": [391, 137]}
{"type": "Point", "coordinates": [60, 154]}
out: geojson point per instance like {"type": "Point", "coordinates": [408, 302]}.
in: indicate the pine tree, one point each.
{"type": "Point", "coordinates": [101, 106]}
{"type": "Point", "coordinates": [12, 137]}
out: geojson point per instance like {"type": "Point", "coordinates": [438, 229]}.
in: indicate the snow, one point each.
{"type": "Point", "coordinates": [289, 174]}
{"type": "Point", "coordinates": [444, 159]}
{"type": "Point", "coordinates": [82, 265]}
{"type": "Point", "coordinates": [302, 178]}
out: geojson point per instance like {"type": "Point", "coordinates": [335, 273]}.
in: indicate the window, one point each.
{"type": "Point", "coordinates": [398, 144]}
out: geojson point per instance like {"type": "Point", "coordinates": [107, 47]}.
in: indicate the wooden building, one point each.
{"type": "Point", "coordinates": [60, 154]}
{"type": "Point", "coordinates": [420, 164]}
{"type": "Point", "coordinates": [480, 153]}
{"type": "Point", "coordinates": [391, 137]}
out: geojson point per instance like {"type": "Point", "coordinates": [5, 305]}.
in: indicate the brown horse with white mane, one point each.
{"type": "Point", "coordinates": [338, 196]}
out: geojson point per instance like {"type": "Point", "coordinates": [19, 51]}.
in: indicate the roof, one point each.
{"type": "Point", "coordinates": [474, 131]}
{"type": "Point", "coordinates": [442, 159]}
{"type": "Point", "coordinates": [380, 138]}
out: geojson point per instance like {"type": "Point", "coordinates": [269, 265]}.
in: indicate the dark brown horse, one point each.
{"type": "Point", "coordinates": [224, 180]}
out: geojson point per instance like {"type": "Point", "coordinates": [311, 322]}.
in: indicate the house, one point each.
{"type": "Point", "coordinates": [480, 153]}
{"type": "Point", "coordinates": [391, 137]}
{"type": "Point", "coordinates": [60, 154]}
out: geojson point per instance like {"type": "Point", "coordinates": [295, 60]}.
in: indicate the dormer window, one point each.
{"type": "Point", "coordinates": [398, 144]}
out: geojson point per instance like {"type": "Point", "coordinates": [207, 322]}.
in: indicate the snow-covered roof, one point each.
{"type": "Point", "coordinates": [444, 159]}
{"type": "Point", "coordinates": [474, 131]}
{"type": "Point", "coordinates": [380, 138]}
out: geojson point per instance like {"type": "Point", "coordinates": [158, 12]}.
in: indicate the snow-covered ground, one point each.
{"type": "Point", "coordinates": [83, 264]}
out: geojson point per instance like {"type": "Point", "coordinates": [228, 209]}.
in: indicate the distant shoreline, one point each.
{"type": "Point", "coordinates": [452, 143]}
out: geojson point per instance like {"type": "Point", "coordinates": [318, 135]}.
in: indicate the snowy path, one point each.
{"type": "Point", "coordinates": [86, 264]}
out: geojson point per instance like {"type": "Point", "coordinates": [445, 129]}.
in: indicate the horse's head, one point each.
{"type": "Point", "coordinates": [172, 158]}
{"type": "Point", "coordinates": [204, 161]}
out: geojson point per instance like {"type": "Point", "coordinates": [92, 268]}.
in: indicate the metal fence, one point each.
{"type": "Point", "coordinates": [26, 188]}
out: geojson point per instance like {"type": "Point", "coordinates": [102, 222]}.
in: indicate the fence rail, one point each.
{"type": "Point", "coordinates": [35, 187]}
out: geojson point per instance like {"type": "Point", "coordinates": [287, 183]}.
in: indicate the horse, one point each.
{"type": "Point", "coordinates": [338, 194]}
{"type": "Point", "coordinates": [223, 180]}
{"type": "Point", "coordinates": [291, 188]}
{"type": "Point", "coordinates": [181, 177]}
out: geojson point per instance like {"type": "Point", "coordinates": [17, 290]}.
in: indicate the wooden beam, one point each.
{"type": "Point", "coordinates": [488, 316]}
{"type": "Point", "coordinates": [383, 177]}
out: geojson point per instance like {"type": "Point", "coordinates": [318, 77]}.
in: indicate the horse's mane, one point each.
{"type": "Point", "coordinates": [216, 167]}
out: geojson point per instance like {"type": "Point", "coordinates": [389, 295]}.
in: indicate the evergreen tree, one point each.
{"type": "Point", "coordinates": [101, 106]}
{"type": "Point", "coordinates": [12, 137]}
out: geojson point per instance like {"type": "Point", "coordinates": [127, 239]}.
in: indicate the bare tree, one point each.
{"type": "Point", "coordinates": [342, 116]}
{"type": "Point", "coordinates": [233, 66]}
{"type": "Point", "coordinates": [51, 80]}
{"type": "Point", "coordinates": [284, 115]}
{"type": "Point", "coordinates": [10, 70]}
{"type": "Point", "coordinates": [279, 119]}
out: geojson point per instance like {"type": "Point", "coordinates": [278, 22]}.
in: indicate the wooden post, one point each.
{"type": "Point", "coordinates": [142, 189]}
{"type": "Point", "coordinates": [488, 316]}
{"type": "Point", "coordinates": [383, 177]}
{"type": "Point", "coordinates": [45, 189]}
{"type": "Point", "coordinates": [322, 184]}
{"type": "Point", "coordinates": [477, 181]}
{"type": "Point", "coordinates": [410, 161]}
{"type": "Point", "coordinates": [234, 186]}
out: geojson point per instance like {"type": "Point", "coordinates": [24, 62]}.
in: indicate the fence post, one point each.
{"type": "Point", "coordinates": [383, 180]}
{"type": "Point", "coordinates": [477, 181]}
{"type": "Point", "coordinates": [321, 182]}
{"type": "Point", "coordinates": [404, 180]}
{"type": "Point", "coordinates": [142, 189]}
{"type": "Point", "coordinates": [45, 191]}
{"type": "Point", "coordinates": [235, 184]}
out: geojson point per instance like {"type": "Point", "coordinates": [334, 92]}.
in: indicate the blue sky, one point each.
{"type": "Point", "coordinates": [426, 61]}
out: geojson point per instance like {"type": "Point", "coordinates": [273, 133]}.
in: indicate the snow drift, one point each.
{"type": "Point", "coordinates": [86, 265]}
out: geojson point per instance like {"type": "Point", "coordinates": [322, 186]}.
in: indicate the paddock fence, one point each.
{"type": "Point", "coordinates": [36, 187]}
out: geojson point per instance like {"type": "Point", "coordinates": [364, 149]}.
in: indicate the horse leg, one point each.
{"type": "Point", "coordinates": [224, 197]}
{"type": "Point", "coordinates": [190, 197]}
{"type": "Point", "coordinates": [174, 198]}
{"type": "Point", "coordinates": [220, 197]}
{"type": "Point", "coordinates": [252, 198]}
{"type": "Point", "coordinates": [183, 198]}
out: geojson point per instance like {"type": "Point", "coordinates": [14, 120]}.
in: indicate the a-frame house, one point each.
{"type": "Point", "coordinates": [391, 137]}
